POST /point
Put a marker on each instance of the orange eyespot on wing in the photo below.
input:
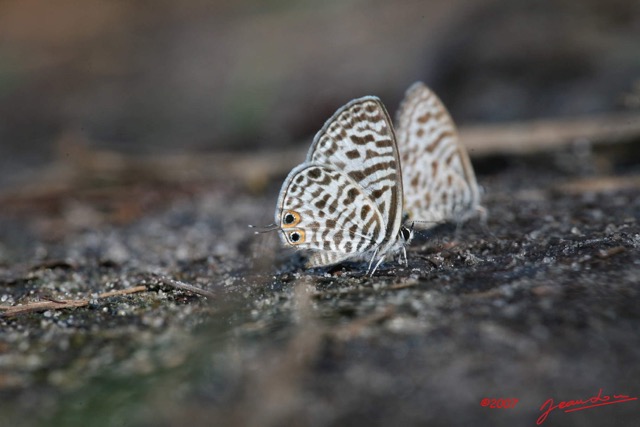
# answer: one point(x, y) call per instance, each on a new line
point(296, 237)
point(290, 219)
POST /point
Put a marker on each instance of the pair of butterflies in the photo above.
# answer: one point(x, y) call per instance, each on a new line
point(363, 186)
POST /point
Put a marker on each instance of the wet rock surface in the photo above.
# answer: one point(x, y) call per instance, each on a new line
point(542, 302)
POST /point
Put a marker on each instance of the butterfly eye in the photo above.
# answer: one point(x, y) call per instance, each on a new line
point(406, 234)
point(290, 219)
point(296, 237)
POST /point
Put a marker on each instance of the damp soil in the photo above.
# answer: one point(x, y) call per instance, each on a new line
point(542, 301)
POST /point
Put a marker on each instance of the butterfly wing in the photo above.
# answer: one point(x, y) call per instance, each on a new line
point(321, 208)
point(359, 140)
point(439, 181)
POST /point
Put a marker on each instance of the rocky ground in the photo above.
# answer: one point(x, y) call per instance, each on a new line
point(133, 293)
point(98, 329)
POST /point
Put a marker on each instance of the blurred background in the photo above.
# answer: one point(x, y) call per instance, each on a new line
point(138, 138)
point(165, 77)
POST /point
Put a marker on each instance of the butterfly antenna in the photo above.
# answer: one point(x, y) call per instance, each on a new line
point(355, 233)
point(264, 229)
point(422, 231)
point(432, 223)
point(351, 233)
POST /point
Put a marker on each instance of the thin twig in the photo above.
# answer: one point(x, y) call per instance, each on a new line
point(37, 306)
point(133, 290)
point(183, 286)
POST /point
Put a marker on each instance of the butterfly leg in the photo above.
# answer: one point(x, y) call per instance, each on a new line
point(484, 213)
point(377, 265)
point(458, 232)
point(404, 255)
point(373, 257)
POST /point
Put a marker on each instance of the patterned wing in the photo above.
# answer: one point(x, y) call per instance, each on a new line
point(439, 181)
point(359, 141)
point(321, 208)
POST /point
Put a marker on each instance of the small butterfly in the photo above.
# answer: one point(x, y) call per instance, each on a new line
point(439, 182)
point(345, 201)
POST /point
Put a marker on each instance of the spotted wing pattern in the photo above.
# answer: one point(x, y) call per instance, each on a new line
point(322, 209)
point(360, 141)
point(345, 200)
point(439, 181)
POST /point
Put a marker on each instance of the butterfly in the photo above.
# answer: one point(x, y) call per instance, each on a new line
point(439, 182)
point(346, 200)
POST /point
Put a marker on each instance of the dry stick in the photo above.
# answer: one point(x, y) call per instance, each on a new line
point(515, 138)
point(183, 286)
point(8, 311)
point(33, 307)
point(600, 184)
point(507, 138)
point(549, 134)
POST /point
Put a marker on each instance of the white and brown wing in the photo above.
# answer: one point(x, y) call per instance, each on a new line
point(439, 182)
point(359, 140)
point(321, 209)
point(345, 200)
